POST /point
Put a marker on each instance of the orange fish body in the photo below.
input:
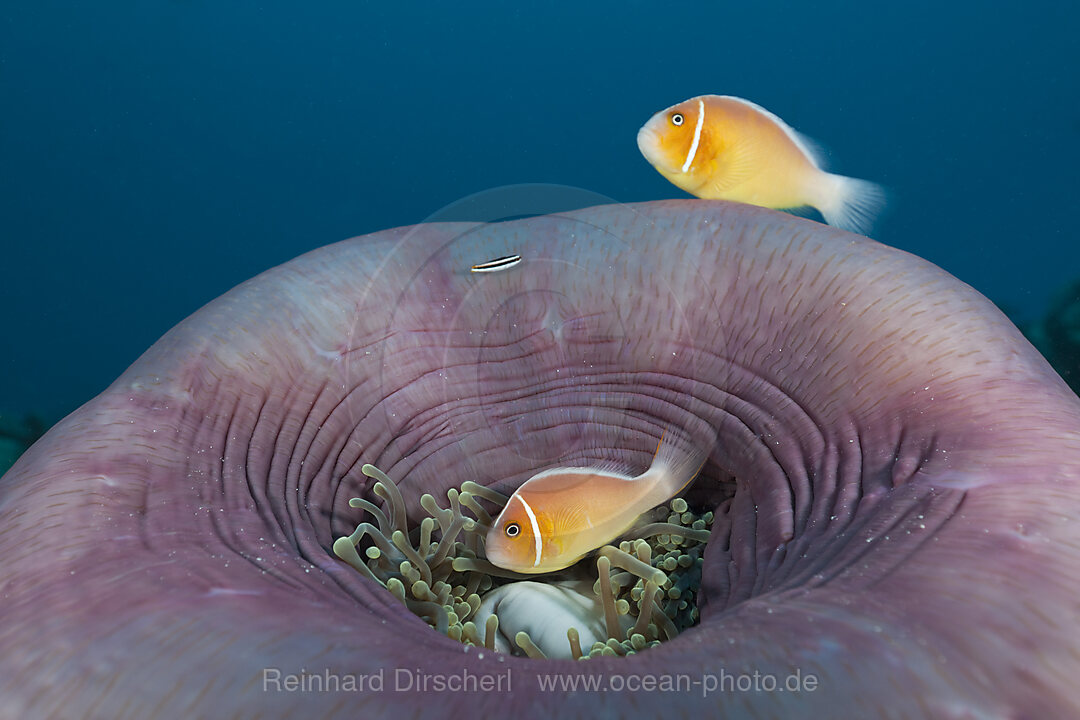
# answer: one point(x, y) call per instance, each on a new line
point(558, 516)
point(725, 148)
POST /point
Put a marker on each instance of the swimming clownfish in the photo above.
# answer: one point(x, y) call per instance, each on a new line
point(558, 516)
point(720, 147)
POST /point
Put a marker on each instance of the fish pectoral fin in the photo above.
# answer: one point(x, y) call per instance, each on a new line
point(736, 164)
point(571, 519)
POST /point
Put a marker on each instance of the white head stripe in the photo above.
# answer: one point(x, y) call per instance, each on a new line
point(697, 136)
point(535, 529)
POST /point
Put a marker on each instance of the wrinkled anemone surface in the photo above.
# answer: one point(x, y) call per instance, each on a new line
point(451, 585)
point(894, 481)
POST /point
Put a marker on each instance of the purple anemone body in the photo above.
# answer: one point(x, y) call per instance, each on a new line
point(896, 479)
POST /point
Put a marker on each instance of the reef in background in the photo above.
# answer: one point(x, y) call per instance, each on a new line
point(1057, 333)
point(17, 435)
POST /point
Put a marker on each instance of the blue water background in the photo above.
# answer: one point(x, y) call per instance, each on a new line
point(155, 154)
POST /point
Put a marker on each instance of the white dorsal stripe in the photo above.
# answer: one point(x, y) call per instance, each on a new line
point(535, 529)
point(697, 136)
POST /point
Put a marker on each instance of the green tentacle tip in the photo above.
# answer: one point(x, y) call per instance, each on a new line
point(344, 549)
point(397, 588)
point(525, 643)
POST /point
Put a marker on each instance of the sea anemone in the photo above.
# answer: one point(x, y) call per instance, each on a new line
point(894, 485)
point(449, 584)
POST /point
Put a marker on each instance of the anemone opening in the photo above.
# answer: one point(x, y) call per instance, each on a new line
point(437, 569)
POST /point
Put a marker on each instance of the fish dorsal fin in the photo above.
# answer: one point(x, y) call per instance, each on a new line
point(558, 480)
point(614, 467)
point(811, 149)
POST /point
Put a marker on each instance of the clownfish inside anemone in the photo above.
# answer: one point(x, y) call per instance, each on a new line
point(560, 515)
point(720, 147)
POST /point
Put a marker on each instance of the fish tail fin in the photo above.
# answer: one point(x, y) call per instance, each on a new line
point(679, 458)
point(849, 203)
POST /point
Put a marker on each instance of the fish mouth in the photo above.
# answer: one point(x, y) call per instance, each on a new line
point(648, 142)
point(893, 482)
point(503, 559)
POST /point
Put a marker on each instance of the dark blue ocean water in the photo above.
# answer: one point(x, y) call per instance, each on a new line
point(154, 154)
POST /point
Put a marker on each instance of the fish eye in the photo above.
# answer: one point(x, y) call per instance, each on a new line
point(677, 119)
point(512, 529)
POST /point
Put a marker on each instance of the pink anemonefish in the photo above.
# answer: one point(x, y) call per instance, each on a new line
point(558, 516)
point(720, 147)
